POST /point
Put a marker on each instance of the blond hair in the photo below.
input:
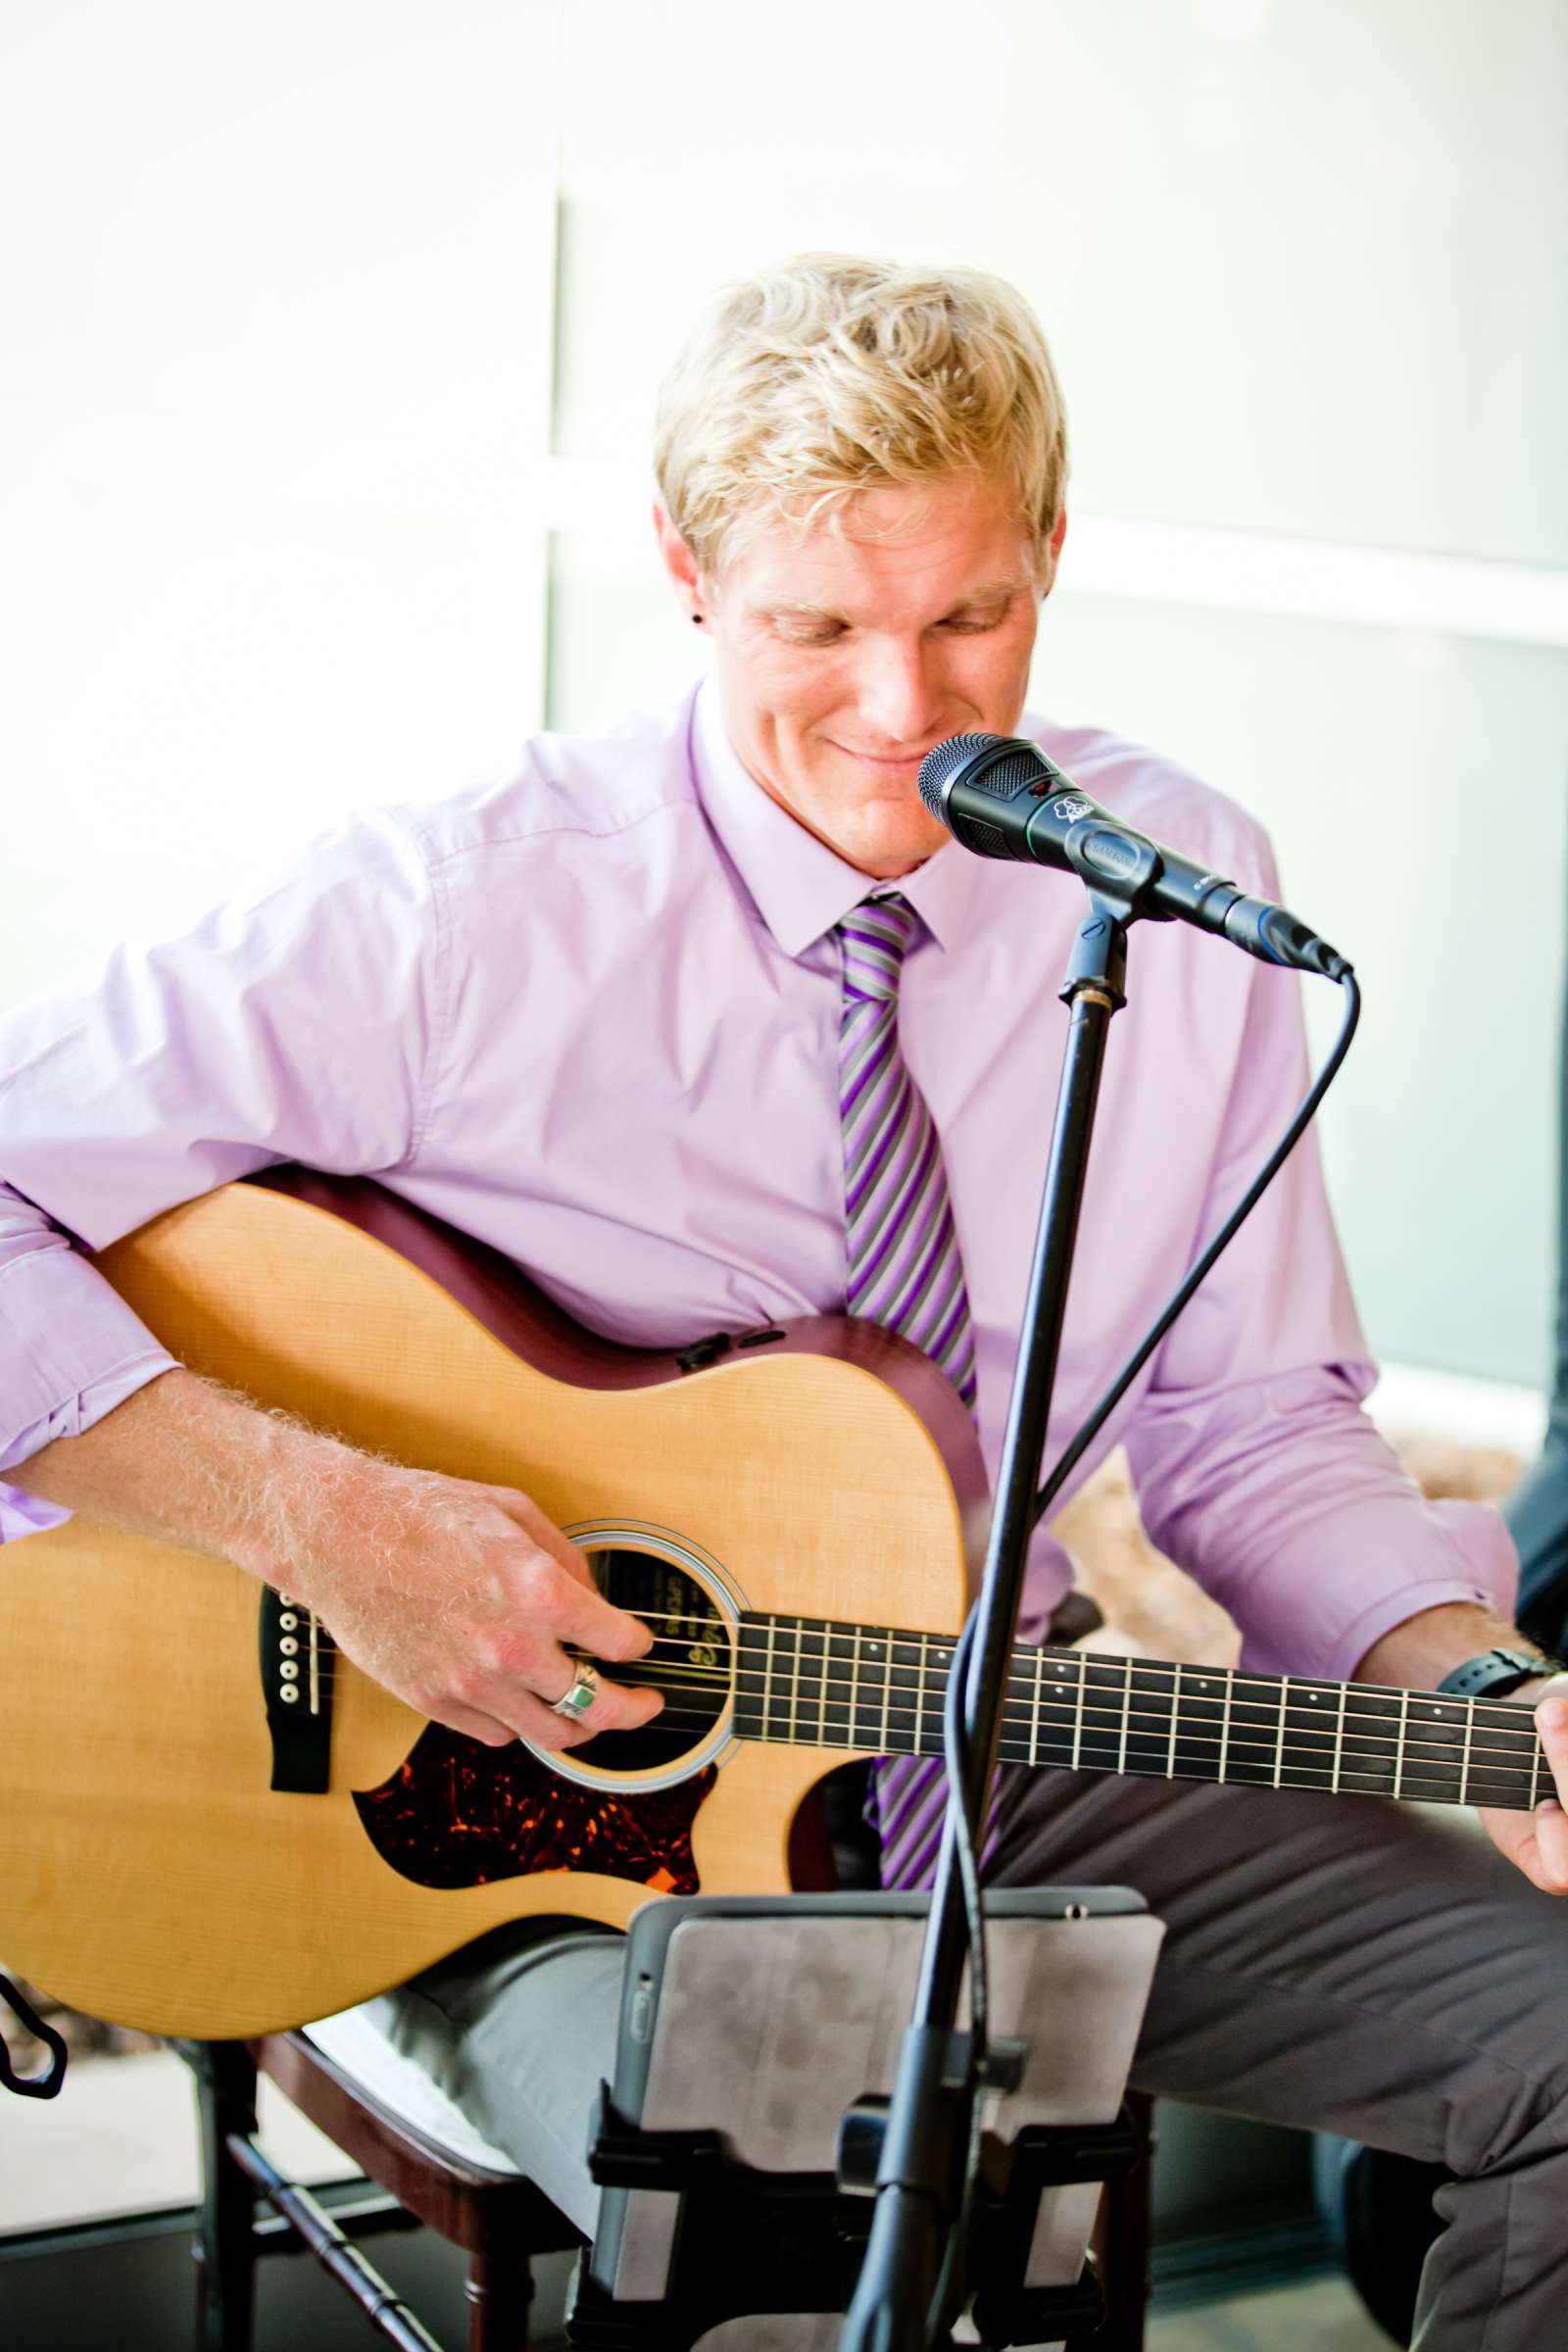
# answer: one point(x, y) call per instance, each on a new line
point(833, 373)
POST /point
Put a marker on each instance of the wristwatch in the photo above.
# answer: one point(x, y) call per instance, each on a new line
point(1496, 1672)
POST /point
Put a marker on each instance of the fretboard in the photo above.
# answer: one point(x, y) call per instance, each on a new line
point(811, 1682)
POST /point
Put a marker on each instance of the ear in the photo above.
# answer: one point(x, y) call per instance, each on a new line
point(1058, 534)
point(678, 560)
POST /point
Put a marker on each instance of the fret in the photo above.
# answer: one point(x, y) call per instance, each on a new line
point(1078, 1709)
point(887, 1694)
point(1225, 1730)
point(1034, 1715)
point(919, 1700)
point(905, 1689)
point(1398, 1754)
point(1469, 1706)
point(1371, 1727)
point(1102, 1720)
point(1201, 1716)
point(1175, 1718)
point(751, 1718)
point(815, 1678)
point(1435, 1729)
point(795, 1684)
point(1535, 1769)
point(1064, 1663)
point(838, 1686)
point(1338, 1745)
point(1279, 1735)
point(768, 1679)
point(1151, 1711)
point(854, 1690)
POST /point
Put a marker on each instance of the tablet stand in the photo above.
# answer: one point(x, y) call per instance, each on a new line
point(769, 2214)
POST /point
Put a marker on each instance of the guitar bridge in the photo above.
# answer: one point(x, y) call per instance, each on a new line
point(296, 1662)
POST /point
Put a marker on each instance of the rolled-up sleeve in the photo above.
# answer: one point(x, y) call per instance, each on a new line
point(1256, 1468)
point(295, 1024)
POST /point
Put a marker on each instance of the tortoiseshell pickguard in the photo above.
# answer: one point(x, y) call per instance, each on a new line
point(458, 1814)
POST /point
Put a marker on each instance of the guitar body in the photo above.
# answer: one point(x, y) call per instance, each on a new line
point(151, 1874)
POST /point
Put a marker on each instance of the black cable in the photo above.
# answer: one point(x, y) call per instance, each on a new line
point(955, 1756)
point(1227, 1233)
point(956, 1759)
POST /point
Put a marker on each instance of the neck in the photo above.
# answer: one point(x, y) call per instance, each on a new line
point(813, 1682)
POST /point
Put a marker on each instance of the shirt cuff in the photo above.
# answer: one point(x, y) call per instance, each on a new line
point(1453, 1551)
point(71, 1349)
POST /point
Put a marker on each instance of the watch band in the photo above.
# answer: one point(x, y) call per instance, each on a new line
point(1496, 1672)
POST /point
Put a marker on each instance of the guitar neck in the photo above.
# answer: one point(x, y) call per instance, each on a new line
point(807, 1681)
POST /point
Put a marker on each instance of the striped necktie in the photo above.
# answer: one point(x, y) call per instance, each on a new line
point(905, 1271)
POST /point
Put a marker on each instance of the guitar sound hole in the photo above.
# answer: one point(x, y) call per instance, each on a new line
point(690, 1660)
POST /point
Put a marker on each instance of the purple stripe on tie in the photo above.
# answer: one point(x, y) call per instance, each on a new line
point(904, 1785)
point(872, 963)
point(935, 1245)
point(946, 1337)
point(911, 1862)
point(885, 1158)
point(907, 1284)
point(859, 1041)
point(887, 1237)
point(902, 1210)
point(884, 1056)
point(859, 1131)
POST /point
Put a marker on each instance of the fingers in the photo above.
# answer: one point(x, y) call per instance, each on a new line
point(1537, 1842)
point(578, 1612)
point(1549, 1820)
point(525, 1715)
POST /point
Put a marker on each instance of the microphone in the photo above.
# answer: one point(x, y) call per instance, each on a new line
point(1001, 797)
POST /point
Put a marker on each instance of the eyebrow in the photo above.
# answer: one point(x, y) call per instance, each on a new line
point(989, 592)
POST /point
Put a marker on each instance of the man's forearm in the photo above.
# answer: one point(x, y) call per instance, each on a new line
point(459, 1598)
point(193, 1464)
point(1417, 1655)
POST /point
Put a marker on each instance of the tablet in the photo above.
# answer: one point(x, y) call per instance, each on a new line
point(764, 2016)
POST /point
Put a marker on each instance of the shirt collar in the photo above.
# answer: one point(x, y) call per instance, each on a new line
point(800, 887)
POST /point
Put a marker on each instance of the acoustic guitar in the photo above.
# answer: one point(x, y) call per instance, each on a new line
point(212, 1823)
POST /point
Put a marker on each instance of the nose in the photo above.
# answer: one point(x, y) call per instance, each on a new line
point(898, 696)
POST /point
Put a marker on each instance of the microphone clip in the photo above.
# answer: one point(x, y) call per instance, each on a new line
point(1097, 964)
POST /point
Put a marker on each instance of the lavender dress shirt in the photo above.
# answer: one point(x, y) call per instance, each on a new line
point(592, 1017)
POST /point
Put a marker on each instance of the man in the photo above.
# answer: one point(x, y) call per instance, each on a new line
point(705, 1023)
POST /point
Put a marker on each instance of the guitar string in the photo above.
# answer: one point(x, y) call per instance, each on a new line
point(1304, 1749)
point(1026, 1705)
point(1518, 1742)
point(1023, 1670)
point(1439, 1777)
point(1023, 1667)
point(1356, 1776)
point(1239, 1681)
point(1510, 1799)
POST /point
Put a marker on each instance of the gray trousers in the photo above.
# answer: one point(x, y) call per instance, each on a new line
point(1343, 1963)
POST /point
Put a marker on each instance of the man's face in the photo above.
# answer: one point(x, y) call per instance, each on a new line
point(846, 655)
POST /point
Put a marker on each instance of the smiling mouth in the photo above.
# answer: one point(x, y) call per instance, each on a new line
point(884, 759)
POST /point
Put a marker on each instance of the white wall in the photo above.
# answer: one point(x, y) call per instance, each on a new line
point(276, 411)
point(274, 345)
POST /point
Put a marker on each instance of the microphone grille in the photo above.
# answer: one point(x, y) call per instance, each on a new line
point(1007, 778)
point(939, 764)
point(989, 841)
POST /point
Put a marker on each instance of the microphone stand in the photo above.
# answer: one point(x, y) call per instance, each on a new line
point(926, 2138)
